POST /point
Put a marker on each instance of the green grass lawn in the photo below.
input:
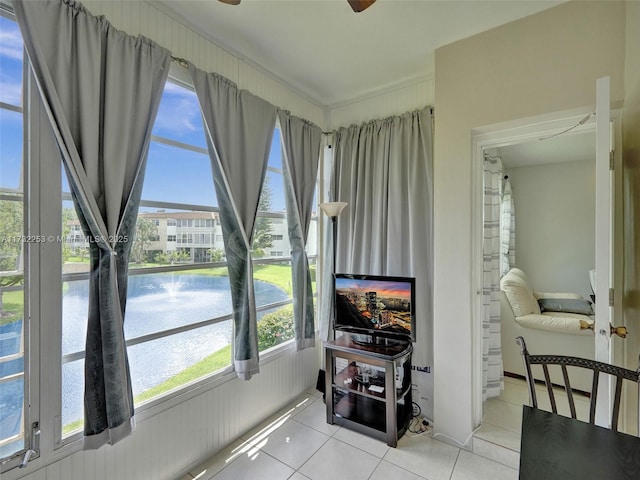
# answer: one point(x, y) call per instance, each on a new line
point(12, 306)
point(279, 275)
point(214, 362)
point(77, 259)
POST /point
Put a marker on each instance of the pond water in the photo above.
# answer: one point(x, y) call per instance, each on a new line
point(155, 302)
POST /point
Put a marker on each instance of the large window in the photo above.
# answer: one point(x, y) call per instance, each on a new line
point(178, 322)
point(13, 349)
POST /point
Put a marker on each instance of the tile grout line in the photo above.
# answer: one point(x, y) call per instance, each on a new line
point(454, 464)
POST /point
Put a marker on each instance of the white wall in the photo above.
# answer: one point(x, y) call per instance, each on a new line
point(631, 193)
point(555, 224)
point(384, 104)
point(548, 62)
point(138, 17)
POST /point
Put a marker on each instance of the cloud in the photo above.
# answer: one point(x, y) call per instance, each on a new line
point(11, 55)
point(177, 118)
point(11, 42)
point(179, 112)
point(175, 89)
point(11, 91)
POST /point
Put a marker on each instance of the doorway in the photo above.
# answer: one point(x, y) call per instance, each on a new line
point(514, 136)
point(522, 137)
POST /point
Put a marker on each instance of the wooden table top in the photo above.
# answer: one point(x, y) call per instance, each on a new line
point(557, 447)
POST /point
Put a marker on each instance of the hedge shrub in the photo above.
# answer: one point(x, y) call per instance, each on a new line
point(275, 328)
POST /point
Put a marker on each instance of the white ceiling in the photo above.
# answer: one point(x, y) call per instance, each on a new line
point(330, 54)
point(569, 147)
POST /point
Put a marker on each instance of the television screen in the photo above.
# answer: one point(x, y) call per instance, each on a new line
point(375, 305)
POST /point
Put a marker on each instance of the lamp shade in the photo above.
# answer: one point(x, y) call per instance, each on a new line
point(333, 209)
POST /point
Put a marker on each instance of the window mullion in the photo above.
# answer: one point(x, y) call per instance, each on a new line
point(45, 263)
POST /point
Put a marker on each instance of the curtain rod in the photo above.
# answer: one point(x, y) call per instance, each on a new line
point(180, 61)
point(185, 63)
point(375, 120)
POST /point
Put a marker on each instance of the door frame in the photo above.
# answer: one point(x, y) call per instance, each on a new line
point(498, 135)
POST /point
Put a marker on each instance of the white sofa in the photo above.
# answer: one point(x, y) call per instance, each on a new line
point(558, 333)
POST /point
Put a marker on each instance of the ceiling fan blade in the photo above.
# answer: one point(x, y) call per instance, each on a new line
point(356, 5)
point(360, 5)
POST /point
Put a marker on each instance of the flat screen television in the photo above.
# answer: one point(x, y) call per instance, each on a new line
point(379, 308)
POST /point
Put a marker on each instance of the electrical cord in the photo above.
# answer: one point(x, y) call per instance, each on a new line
point(416, 410)
point(417, 424)
point(449, 439)
point(581, 122)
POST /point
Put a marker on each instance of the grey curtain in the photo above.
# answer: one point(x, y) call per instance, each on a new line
point(239, 129)
point(491, 344)
point(101, 89)
point(301, 154)
point(384, 170)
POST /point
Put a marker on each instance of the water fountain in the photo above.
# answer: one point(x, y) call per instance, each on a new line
point(156, 302)
point(172, 287)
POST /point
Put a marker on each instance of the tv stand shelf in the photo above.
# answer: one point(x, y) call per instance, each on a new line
point(369, 387)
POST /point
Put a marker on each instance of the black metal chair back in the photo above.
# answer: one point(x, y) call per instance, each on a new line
point(621, 374)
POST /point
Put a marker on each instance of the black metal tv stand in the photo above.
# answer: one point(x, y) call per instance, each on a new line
point(369, 387)
point(376, 340)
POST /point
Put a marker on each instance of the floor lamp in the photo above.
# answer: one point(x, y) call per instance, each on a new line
point(331, 210)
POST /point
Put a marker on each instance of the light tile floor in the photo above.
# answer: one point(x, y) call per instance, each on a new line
point(502, 420)
point(298, 444)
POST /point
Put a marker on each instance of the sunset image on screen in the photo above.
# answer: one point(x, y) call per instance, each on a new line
point(377, 304)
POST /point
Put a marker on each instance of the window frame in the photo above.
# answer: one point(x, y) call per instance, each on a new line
point(43, 321)
point(179, 75)
point(31, 331)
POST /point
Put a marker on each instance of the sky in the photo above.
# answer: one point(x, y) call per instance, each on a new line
point(179, 119)
point(172, 174)
point(10, 92)
point(384, 288)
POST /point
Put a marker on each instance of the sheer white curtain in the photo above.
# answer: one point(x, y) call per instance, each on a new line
point(492, 372)
point(507, 228)
point(239, 129)
point(384, 170)
point(101, 89)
